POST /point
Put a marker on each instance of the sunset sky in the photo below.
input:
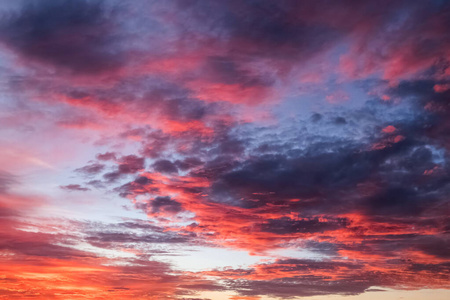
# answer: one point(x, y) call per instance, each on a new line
point(225, 149)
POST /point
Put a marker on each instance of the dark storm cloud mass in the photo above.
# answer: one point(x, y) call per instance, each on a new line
point(391, 182)
point(328, 172)
point(75, 35)
point(435, 245)
point(306, 175)
point(436, 104)
point(262, 28)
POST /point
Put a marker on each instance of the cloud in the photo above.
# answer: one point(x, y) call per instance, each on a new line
point(165, 166)
point(91, 169)
point(129, 164)
point(74, 187)
point(6, 180)
point(286, 225)
point(163, 205)
point(72, 35)
point(106, 156)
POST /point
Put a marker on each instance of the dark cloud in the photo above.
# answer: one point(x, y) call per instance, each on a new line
point(116, 239)
point(142, 180)
point(314, 225)
point(328, 174)
point(96, 183)
point(262, 28)
point(106, 156)
point(165, 166)
point(442, 269)
point(40, 245)
point(325, 248)
point(160, 205)
point(165, 204)
point(340, 121)
point(304, 278)
point(184, 109)
point(91, 169)
point(229, 70)
point(310, 286)
point(395, 200)
point(155, 144)
point(438, 246)
point(6, 180)
point(112, 176)
point(392, 245)
point(74, 35)
point(140, 185)
point(129, 164)
point(279, 178)
point(434, 105)
point(316, 117)
point(188, 163)
point(138, 224)
point(74, 187)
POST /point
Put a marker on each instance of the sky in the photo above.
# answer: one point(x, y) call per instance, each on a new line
point(224, 149)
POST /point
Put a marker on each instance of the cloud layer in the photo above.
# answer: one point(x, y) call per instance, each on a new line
point(312, 135)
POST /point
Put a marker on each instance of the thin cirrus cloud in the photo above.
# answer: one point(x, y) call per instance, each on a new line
point(307, 141)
